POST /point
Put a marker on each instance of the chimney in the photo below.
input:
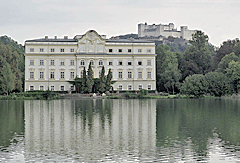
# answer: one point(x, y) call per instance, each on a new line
point(65, 37)
point(46, 37)
point(55, 37)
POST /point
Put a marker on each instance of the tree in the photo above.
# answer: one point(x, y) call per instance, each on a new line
point(198, 56)
point(195, 85)
point(102, 84)
point(218, 84)
point(108, 80)
point(90, 81)
point(233, 73)
point(6, 78)
point(223, 65)
point(227, 47)
point(84, 81)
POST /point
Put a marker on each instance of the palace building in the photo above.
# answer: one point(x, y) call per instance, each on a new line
point(52, 62)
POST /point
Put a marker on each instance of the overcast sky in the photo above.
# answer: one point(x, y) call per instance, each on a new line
point(30, 19)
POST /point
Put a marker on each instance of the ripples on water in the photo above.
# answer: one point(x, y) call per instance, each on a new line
point(119, 131)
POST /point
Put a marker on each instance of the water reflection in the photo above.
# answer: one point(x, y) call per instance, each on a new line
point(179, 130)
point(90, 130)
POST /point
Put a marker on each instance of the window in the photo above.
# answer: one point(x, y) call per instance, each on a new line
point(149, 50)
point(100, 71)
point(41, 88)
point(41, 62)
point(82, 63)
point(120, 62)
point(52, 49)
point(91, 62)
point(129, 50)
point(110, 63)
point(129, 74)
point(139, 50)
point(31, 75)
point(148, 62)
point(129, 63)
point(71, 62)
point(139, 87)
point(120, 87)
point(52, 87)
point(72, 88)
point(31, 49)
point(52, 62)
point(72, 75)
point(129, 87)
point(31, 62)
point(139, 62)
point(149, 87)
point(41, 75)
point(81, 74)
point(41, 50)
point(61, 50)
point(100, 63)
point(62, 62)
point(62, 75)
point(52, 75)
point(120, 75)
point(62, 88)
point(139, 74)
point(149, 74)
point(110, 50)
point(31, 88)
point(71, 50)
point(120, 50)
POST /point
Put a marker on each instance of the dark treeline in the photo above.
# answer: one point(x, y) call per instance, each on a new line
point(200, 69)
point(11, 65)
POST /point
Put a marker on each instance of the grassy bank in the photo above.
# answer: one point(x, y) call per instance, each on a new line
point(35, 95)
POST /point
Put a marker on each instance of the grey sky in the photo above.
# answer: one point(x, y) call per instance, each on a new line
point(29, 19)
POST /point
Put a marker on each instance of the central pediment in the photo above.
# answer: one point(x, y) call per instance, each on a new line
point(91, 42)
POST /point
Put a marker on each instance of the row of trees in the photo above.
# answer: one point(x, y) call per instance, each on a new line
point(11, 65)
point(88, 84)
point(200, 69)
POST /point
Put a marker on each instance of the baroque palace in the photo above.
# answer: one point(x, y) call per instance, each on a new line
point(51, 63)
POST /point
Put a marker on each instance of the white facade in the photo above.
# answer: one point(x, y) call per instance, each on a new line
point(50, 63)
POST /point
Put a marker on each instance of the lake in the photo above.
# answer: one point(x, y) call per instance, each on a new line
point(120, 130)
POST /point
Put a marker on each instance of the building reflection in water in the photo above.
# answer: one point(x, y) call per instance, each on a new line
point(88, 130)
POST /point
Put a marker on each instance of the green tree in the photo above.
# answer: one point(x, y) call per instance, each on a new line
point(6, 79)
point(84, 82)
point(102, 84)
point(218, 84)
point(198, 56)
point(195, 85)
point(168, 74)
point(108, 80)
point(233, 73)
point(90, 81)
point(223, 65)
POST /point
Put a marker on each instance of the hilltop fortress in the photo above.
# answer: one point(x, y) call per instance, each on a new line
point(163, 30)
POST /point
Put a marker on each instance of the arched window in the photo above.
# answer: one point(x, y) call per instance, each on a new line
point(91, 62)
point(149, 87)
point(82, 63)
point(129, 87)
point(100, 71)
point(140, 87)
point(100, 62)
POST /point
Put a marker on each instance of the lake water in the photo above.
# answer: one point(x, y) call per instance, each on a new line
point(119, 130)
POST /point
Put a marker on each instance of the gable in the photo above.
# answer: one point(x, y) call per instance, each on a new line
point(91, 42)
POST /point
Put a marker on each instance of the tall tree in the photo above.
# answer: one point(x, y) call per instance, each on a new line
point(198, 56)
point(102, 84)
point(84, 81)
point(90, 81)
point(6, 79)
point(108, 80)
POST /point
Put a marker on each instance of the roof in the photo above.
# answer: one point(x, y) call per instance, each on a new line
point(129, 41)
point(51, 40)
